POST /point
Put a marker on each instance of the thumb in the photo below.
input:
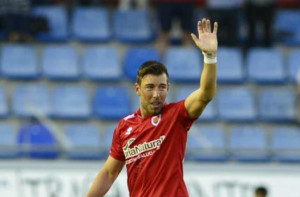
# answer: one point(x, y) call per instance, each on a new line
point(194, 37)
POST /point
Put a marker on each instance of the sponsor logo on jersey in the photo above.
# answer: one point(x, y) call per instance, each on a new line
point(155, 120)
point(141, 148)
point(129, 130)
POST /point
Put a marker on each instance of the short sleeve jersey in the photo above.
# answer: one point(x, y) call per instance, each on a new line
point(153, 149)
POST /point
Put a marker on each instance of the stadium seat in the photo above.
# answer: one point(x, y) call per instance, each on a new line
point(91, 24)
point(71, 102)
point(19, 61)
point(236, 104)
point(135, 57)
point(265, 66)
point(133, 26)
point(31, 100)
point(60, 62)
point(184, 64)
point(285, 144)
point(294, 65)
point(3, 103)
point(58, 23)
point(209, 113)
point(230, 65)
point(287, 29)
point(8, 141)
point(85, 141)
point(249, 143)
point(107, 134)
point(206, 143)
point(277, 104)
point(112, 102)
point(102, 63)
point(37, 141)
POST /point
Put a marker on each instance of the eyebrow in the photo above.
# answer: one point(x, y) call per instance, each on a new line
point(151, 84)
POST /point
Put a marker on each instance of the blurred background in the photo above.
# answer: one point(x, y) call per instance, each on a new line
point(68, 69)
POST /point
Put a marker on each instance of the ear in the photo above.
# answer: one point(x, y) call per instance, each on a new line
point(137, 89)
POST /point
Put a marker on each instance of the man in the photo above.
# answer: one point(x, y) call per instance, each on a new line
point(151, 142)
point(261, 192)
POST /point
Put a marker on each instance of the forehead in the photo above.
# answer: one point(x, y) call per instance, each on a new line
point(154, 79)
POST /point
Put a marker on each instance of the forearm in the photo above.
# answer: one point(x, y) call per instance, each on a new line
point(101, 184)
point(208, 82)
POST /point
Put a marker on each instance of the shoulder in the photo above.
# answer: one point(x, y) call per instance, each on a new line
point(125, 121)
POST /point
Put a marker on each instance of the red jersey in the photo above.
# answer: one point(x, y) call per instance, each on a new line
point(153, 149)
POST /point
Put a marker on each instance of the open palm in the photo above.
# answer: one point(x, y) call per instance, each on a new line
point(207, 40)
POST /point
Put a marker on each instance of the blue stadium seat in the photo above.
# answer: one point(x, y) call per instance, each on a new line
point(3, 103)
point(37, 141)
point(8, 141)
point(112, 102)
point(133, 26)
point(135, 57)
point(58, 23)
point(277, 104)
point(85, 141)
point(287, 29)
point(206, 143)
point(184, 64)
point(31, 100)
point(102, 63)
point(236, 104)
point(294, 65)
point(209, 113)
point(286, 144)
point(107, 134)
point(91, 24)
point(19, 61)
point(230, 66)
point(265, 66)
point(249, 143)
point(71, 102)
point(60, 62)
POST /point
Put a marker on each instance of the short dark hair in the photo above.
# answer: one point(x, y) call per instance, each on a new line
point(153, 68)
point(261, 190)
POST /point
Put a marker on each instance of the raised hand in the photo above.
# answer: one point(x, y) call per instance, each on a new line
point(207, 41)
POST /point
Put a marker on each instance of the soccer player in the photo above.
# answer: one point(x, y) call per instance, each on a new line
point(261, 192)
point(151, 142)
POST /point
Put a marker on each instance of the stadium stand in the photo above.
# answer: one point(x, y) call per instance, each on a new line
point(71, 102)
point(102, 63)
point(37, 141)
point(8, 141)
point(294, 65)
point(277, 104)
point(60, 62)
point(184, 64)
point(236, 104)
point(85, 141)
point(133, 26)
point(285, 144)
point(248, 143)
point(31, 101)
point(3, 103)
point(265, 66)
point(112, 102)
point(58, 23)
point(135, 56)
point(19, 61)
point(207, 143)
point(91, 24)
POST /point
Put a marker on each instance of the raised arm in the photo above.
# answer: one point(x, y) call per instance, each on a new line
point(105, 177)
point(207, 42)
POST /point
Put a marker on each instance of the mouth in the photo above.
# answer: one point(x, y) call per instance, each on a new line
point(156, 104)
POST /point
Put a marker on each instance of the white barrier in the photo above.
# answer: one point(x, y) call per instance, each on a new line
point(72, 179)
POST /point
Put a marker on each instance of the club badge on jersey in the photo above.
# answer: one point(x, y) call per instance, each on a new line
point(155, 120)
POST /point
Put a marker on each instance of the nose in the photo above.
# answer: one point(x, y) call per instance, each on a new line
point(156, 93)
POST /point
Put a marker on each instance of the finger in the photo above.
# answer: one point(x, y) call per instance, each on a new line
point(208, 26)
point(200, 31)
point(204, 25)
point(194, 37)
point(215, 28)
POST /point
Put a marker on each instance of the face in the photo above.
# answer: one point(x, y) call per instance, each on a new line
point(152, 91)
